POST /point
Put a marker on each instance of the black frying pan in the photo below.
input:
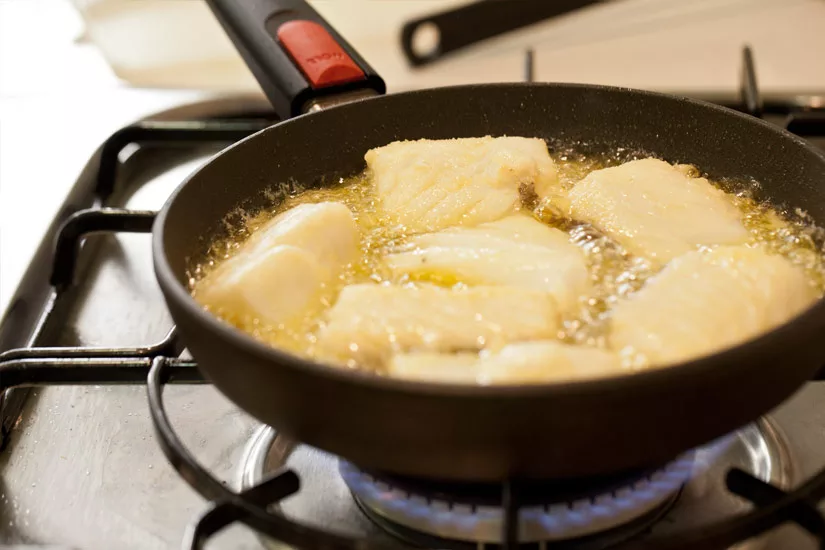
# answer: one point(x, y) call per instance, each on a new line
point(467, 432)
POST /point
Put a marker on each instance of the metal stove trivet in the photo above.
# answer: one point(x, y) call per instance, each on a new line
point(40, 305)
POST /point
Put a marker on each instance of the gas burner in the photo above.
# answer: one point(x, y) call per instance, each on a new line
point(582, 515)
point(552, 511)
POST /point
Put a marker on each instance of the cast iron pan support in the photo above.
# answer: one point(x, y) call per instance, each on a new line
point(39, 308)
point(748, 87)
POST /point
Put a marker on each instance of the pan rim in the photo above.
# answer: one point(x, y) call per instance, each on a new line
point(175, 290)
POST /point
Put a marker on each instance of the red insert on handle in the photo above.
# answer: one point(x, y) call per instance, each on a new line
point(317, 54)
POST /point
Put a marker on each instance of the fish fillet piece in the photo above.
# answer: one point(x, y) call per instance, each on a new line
point(327, 230)
point(539, 361)
point(706, 301)
point(427, 185)
point(283, 269)
point(656, 210)
point(277, 286)
point(516, 251)
point(369, 322)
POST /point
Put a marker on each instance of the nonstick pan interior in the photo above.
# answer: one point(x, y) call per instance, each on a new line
point(489, 433)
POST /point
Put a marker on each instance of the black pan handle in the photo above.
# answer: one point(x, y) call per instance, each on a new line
point(466, 25)
point(293, 53)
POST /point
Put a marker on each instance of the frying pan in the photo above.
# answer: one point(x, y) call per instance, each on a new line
point(464, 432)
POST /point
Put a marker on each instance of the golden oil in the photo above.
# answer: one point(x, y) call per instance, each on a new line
point(614, 272)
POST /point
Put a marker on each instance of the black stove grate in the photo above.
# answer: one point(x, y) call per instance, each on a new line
point(39, 303)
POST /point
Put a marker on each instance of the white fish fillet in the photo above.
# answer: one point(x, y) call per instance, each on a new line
point(656, 210)
point(276, 286)
point(703, 302)
point(427, 185)
point(282, 270)
point(539, 361)
point(368, 322)
point(516, 251)
point(327, 230)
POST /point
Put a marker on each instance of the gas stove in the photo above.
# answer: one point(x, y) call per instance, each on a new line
point(112, 441)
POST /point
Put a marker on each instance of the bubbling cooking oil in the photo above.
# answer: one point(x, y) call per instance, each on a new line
point(614, 272)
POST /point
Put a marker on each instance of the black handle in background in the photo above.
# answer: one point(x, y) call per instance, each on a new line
point(481, 20)
point(254, 25)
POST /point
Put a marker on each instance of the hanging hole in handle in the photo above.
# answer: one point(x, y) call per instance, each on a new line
point(426, 40)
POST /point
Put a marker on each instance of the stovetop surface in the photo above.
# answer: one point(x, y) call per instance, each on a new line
point(83, 469)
